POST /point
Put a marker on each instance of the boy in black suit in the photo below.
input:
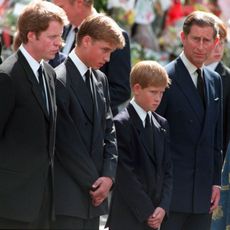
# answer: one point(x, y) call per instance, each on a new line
point(143, 186)
point(86, 155)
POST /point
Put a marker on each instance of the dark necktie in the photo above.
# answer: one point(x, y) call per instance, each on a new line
point(148, 133)
point(41, 85)
point(88, 79)
point(200, 85)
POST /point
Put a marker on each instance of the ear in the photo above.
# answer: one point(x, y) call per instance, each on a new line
point(31, 36)
point(136, 89)
point(86, 41)
point(182, 36)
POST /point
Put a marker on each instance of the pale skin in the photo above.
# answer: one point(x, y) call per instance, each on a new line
point(149, 99)
point(198, 45)
point(47, 44)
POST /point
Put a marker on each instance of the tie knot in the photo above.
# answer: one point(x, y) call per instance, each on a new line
point(88, 74)
point(147, 121)
point(75, 29)
point(199, 72)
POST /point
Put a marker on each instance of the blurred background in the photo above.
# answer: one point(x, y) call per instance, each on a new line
point(153, 25)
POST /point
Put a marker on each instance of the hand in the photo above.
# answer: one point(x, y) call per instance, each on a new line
point(155, 220)
point(215, 198)
point(100, 190)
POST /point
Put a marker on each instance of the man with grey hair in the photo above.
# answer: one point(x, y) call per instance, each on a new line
point(193, 107)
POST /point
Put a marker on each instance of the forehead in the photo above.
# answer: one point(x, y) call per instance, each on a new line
point(155, 88)
point(103, 44)
point(202, 31)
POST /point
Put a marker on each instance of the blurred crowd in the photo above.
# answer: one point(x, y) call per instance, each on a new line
point(153, 25)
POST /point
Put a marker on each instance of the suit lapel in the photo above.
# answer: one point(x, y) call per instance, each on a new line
point(34, 83)
point(158, 139)
point(210, 97)
point(78, 87)
point(187, 87)
point(50, 94)
point(137, 123)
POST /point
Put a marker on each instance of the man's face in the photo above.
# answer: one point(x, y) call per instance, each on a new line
point(48, 43)
point(217, 53)
point(71, 9)
point(198, 44)
point(148, 98)
point(95, 53)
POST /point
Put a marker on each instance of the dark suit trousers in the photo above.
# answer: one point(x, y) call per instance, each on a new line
point(41, 222)
point(187, 221)
point(74, 223)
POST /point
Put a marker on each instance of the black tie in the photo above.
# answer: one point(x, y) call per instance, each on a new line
point(200, 85)
point(148, 132)
point(41, 85)
point(88, 79)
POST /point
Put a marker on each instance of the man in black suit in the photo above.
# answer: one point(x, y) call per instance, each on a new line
point(27, 121)
point(214, 62)
point(117, 69)
point(193, 107)
point(86, 155)
point(142, 192)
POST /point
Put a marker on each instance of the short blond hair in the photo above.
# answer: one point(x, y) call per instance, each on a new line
point(149, 73)
point(101, 28)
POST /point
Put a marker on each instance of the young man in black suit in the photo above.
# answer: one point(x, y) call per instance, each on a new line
point(142, 192)
point(117, 69)
point(27, 120)
point(86, 156)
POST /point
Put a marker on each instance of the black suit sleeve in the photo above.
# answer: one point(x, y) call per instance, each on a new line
point(6, 101)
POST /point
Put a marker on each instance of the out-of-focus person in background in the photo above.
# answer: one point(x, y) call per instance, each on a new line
point(117, 69)
point(221, 216)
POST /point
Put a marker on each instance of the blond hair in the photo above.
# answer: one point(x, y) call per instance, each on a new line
point(149, 73)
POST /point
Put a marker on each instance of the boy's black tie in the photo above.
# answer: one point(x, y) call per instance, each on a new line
point(148, 132)
point(88, 79)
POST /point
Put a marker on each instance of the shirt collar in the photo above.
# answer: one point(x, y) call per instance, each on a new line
point(189, 66)
point(31, 61)
point(212, 66)
point(140, 111)
point(78, 63)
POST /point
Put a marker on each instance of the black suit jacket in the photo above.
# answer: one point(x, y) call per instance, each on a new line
point(86, 145)
point(144, 178)
point(117, 70)
point(224, 73)
point(26, 138)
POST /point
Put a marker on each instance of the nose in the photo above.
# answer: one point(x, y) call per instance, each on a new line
point(107, 57)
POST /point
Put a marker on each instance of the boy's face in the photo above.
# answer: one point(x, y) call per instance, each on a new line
point(95, 53)
point(148, 98)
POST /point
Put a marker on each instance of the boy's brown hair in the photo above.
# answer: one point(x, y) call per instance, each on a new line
point(149, 73)
point(101, 28)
